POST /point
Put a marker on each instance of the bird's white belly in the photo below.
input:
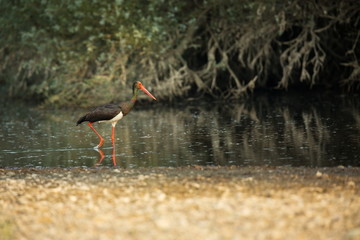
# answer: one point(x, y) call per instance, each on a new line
point(114, 119)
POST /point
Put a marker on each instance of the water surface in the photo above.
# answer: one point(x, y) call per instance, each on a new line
point(292, 130)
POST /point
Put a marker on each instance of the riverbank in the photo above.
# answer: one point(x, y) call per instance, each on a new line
point(180, 203)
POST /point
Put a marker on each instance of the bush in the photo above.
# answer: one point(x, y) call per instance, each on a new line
point(84, 52)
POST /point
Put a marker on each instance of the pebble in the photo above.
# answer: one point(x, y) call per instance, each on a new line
point(351, 184)
point(10, 174)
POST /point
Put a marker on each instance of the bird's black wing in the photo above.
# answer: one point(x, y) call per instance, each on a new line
point(101, 113)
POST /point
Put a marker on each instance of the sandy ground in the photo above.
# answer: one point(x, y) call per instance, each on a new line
point(181, 203)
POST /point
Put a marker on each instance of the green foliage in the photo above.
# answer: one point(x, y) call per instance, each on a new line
point(73, 52)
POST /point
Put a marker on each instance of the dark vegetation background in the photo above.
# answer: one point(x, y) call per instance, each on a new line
point(85, 52)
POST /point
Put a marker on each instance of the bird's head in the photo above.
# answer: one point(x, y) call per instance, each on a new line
point(139, 85)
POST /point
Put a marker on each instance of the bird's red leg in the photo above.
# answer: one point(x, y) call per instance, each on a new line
point(113, 136)
point(101, 138)
point(113, 143)
point(113, 156)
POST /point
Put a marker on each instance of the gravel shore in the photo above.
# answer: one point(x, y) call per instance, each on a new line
point(180, 203)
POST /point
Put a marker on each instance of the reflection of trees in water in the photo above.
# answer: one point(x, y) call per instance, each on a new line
point(264, 132)
point(268, 130)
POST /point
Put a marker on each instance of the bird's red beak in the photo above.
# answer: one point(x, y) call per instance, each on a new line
point(146, 91)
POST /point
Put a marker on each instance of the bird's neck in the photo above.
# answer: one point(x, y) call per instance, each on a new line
point(127, 106)
point(134, 97)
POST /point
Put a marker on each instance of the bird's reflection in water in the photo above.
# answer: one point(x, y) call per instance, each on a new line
point(102, 156)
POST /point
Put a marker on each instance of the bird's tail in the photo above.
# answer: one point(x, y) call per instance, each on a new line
point(82, 119)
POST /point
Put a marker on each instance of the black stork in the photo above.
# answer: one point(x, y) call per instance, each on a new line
point(112, 112)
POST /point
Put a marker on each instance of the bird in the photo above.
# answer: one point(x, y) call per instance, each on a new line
point(112, 113)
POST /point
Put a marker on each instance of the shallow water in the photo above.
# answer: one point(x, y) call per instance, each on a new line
point(291, 130)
